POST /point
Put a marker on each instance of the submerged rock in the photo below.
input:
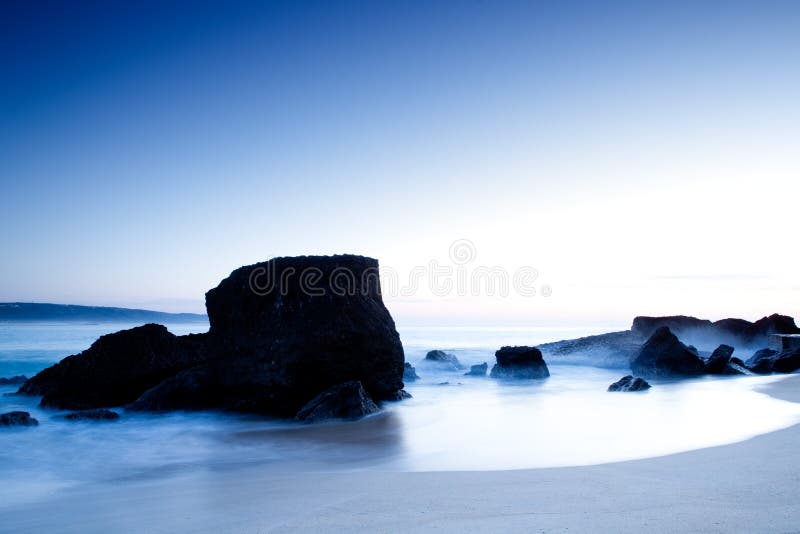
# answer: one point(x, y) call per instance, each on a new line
point(444, 359)
point(629, 383)
point(409, 373)
point(17, 419)
point(647, 326)
point(348, 401)
point(92, 415)
point(478, 370)
point(614, 349)
point(520, 362)
point(115, 370)
point(663, 355)
point(276, 342)
point(13, 381)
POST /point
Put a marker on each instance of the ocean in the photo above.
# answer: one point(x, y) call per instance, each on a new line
point(453, 422)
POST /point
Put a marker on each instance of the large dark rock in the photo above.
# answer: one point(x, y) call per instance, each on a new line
point(348, 401)
point(17, 419)
point(92, 415)
point(769, 361)
point(663, 355)
point(13, 381)
point(116, 369)
point(409, 373)
point(787, 361)
point(444, 359)
point(478, 370)
point(286, 329)
point(761, 361)
point(629, 383)
point(718, 361)
point(519, 362)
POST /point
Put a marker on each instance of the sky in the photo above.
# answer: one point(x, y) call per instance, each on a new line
point(642, 159)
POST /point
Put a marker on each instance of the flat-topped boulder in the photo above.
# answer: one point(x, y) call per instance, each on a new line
point(663, 355)
point(520, 363)
point(286, 329)
point(115, 370)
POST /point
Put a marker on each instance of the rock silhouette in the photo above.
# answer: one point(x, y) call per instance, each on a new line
point(282, 332)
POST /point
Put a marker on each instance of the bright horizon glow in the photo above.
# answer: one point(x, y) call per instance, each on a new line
point(642, 158)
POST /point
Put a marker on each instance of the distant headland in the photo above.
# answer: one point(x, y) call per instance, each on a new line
point(30, 311)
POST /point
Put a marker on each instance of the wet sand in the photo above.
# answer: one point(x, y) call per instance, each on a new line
point(749, 486)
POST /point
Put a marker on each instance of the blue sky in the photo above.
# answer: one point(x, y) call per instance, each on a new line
point(642, 158)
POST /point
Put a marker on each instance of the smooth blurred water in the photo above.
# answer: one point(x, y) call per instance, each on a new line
point(454, 422)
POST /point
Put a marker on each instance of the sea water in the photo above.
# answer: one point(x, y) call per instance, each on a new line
point(453, 421)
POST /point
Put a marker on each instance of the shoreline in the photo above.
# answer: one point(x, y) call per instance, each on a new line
point(744, 486)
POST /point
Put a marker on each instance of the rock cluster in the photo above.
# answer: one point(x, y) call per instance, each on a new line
point(282, 332)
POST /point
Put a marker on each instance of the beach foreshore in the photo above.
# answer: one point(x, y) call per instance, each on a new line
point(750, 486)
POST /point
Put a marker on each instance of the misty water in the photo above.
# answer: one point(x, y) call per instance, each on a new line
point(454, 422)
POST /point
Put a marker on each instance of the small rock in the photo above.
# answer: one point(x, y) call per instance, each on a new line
point(478, 370)
point(629, 383)
point(444, 358)
point(17, 419)
point(520, 362)
point(92, 415)
point(13, 381)
point(400, 395)
point(409, 373)
point(347, 401)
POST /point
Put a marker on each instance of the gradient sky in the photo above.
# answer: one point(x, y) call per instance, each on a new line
point(645, 159)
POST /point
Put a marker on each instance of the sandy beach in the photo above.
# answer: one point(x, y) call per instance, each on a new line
point(743, 487)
